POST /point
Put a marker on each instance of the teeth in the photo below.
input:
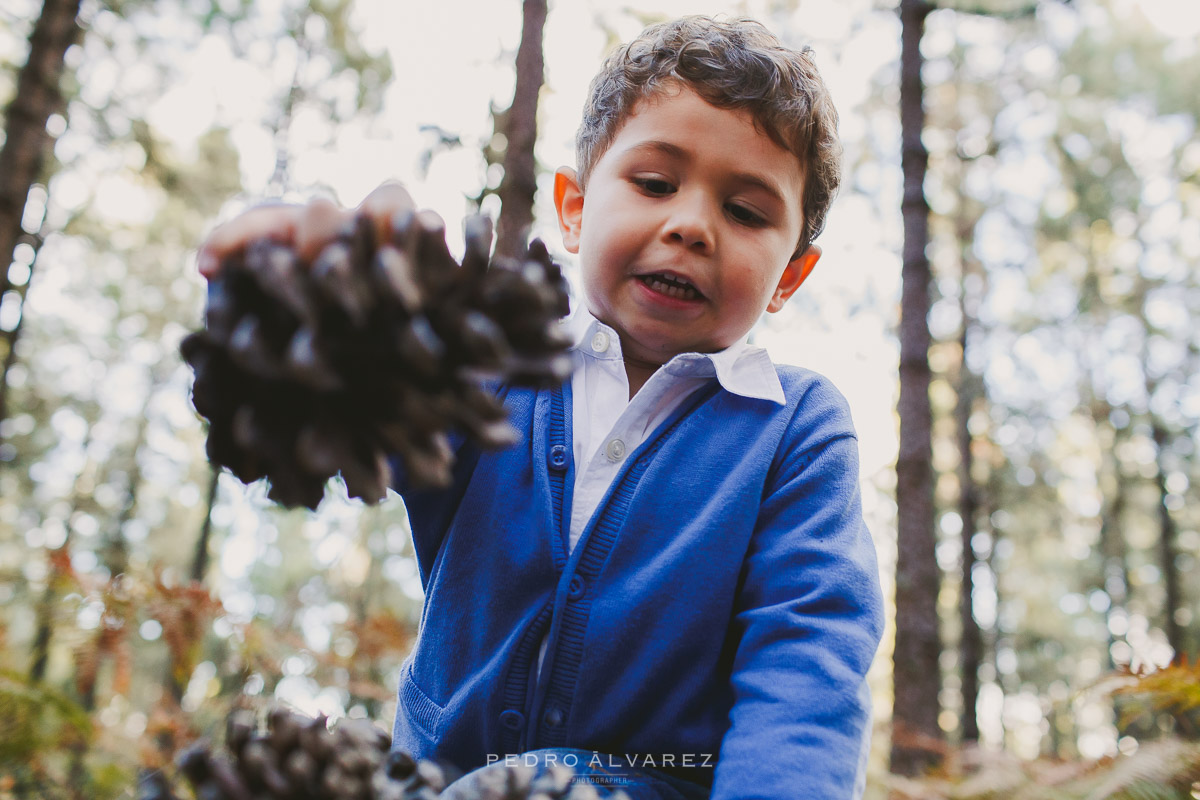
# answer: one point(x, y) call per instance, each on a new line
point(670, 288)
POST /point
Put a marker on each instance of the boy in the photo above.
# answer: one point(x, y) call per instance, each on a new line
point(667, 583)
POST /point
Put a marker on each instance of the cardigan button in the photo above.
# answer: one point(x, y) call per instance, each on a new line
point(557, 457)
point(513, 720)
point(553, 717)
point(576, 587)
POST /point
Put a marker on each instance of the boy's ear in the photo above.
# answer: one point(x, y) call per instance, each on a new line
point(794, 274)
point(568, 200)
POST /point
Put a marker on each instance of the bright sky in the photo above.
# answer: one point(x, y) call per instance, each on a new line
point(1178, 19)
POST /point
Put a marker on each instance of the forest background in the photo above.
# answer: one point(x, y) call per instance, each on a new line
point(1012, 327)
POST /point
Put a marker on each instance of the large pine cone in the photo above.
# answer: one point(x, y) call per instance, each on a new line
point(299, 758)
point(376, 348)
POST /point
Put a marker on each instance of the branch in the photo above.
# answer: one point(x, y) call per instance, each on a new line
point(1021, 12)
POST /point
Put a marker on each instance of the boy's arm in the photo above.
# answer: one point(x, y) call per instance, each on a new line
point(431, 510)
point(809, 618)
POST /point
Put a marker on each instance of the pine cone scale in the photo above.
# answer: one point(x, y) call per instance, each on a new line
point(307, 371)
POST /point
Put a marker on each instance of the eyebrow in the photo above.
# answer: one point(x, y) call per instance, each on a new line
point(675, 151)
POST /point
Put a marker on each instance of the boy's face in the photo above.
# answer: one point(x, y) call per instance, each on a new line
point(688, 227)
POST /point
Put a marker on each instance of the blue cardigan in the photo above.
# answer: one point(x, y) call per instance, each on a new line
point(717, 618)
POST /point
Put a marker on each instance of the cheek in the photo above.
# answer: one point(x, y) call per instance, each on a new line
point(604, 247)
point(751, 281)
point(762, 278)
point(591, 236)
point(595, 297)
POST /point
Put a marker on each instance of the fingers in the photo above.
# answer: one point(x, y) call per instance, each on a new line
point(275, 221)
point(318, 223)
point(308, 228)
point(383, 204)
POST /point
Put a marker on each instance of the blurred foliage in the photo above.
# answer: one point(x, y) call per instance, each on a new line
point(113, 658)
point(1173, 690)
point(1161, 770)
point(1061, 236)
point(1166, 768)
point(1065, 189)
point(37, 721)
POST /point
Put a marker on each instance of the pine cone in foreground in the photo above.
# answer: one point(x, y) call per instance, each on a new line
point(305, 371)
point(299, 758)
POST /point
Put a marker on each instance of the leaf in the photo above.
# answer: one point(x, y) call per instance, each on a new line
point(1173, 690)
point(36, 718)
point(1165, 768)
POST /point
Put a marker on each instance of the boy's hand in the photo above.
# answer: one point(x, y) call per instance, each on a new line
point(306, 228)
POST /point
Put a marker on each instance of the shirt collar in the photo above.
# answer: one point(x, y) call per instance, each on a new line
point(741, 368)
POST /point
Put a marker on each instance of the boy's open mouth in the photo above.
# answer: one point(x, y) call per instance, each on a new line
point(671, 286)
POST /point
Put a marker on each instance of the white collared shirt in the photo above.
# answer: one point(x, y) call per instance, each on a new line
point(608, 427)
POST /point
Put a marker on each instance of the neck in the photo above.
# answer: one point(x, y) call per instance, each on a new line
point(638, 372)
point(638, 363)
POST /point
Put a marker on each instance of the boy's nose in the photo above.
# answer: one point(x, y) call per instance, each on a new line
point(690, 224)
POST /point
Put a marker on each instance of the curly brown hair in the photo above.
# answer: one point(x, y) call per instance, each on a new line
point(735, 64)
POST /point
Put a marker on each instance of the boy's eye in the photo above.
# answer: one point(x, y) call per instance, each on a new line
point(654, 186)
point(745, 215)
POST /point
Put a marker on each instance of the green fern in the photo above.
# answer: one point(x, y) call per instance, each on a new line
point(1173, 690)
point(1145, 790)
point(34, 718)
point(1160, 770)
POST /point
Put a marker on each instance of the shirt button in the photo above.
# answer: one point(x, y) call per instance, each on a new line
point(558, 457)
point(615, 450)
point(575, 587)
point(512, 719)
point(600, 341)
point(553, 717)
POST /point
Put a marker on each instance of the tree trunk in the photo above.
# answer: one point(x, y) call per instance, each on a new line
point(1114, 577)
point(970, 646)
point(60, 560)
point(200, 557)
point(1114, 567)
point(114, 548)
point(26, 145)
point(58, 578)
point(969, 390)
point(519, 185)
point(916, 737)
point(989, 503)
point(9, 339)
point(1168, 549)
point(26, 142)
